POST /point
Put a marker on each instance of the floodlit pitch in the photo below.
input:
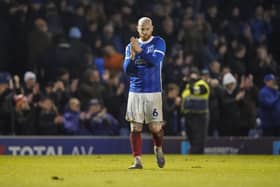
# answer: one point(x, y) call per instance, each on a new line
point(111, 170)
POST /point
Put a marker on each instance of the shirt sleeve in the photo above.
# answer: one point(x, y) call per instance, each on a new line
point(128, 65)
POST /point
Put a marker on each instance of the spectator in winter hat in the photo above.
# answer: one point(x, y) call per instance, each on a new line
point(75, 33)
point(29, 76)
point(229, 82)
point(31, 87)
point(269, 100)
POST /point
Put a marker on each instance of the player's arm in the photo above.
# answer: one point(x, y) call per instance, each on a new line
point(157, 55)
point(128, 65)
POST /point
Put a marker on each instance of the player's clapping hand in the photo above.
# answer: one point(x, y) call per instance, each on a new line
point(135, 45)
point(132, 54)
point(132, 51)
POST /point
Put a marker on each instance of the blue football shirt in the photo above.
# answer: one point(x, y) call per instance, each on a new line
point(145, 69)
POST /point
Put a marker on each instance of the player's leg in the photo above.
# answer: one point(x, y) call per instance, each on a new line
point(157, 135)
point(136, 144)
point(135, 115)
point(154, 117)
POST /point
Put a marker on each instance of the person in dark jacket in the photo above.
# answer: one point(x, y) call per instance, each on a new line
point(39, 40)
point(214, 102)
point(230, 98)
point(91, 87)
point(24, 112)
point(247, 106)
point(171, 103)
point(269, 101)
point(49, 121)
point(7, 115)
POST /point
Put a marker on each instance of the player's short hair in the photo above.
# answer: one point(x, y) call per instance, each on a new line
point(145, 20)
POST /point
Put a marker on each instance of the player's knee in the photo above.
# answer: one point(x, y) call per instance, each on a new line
point(155, 127)
point(136, 127)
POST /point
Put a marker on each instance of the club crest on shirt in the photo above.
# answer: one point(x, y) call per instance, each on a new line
point(150, 49)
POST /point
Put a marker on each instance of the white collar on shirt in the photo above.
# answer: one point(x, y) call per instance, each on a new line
point(145, 42)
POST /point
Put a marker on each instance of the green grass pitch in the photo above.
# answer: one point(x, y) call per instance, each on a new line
point(111, 170)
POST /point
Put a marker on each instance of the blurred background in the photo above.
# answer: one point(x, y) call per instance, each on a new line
point(61, 63)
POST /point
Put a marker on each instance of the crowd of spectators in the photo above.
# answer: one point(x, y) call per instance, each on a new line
point(61, 62)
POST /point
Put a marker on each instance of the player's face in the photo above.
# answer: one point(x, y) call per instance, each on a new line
point(145, 31)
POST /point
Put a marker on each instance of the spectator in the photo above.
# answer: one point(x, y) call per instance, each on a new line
point(115, 95)
point(78, 17)
point(172, 69)
point(36, 10)
point(71, 123)
point(59, 95)
point(260, 26)
point(214, 101)
point(5, 37)
point(93, 39)
point(215, 70)
point(68, 85)
point(237, 62)
point(248, 108)
point(39, 41)
point(62, 55)
point(31, 88)
point(212, 17)
point(80, 51)
point(172, 103)
point(113, 59)
point(109, 37)
point(195, 107)
point(168, 33)
point(101, 123)
point(63, 75)
point(230, 112)
point(208, 51)
point(24, 113)
point(264, 64)
point(234, 26)
point(269, 100)
point(53, 18)
point(18, 20)
point(29, 82)
point(90, 88)
point(49, 121)
point(7, 115)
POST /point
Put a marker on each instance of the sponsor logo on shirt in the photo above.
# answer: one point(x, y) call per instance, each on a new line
point(140, 62)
